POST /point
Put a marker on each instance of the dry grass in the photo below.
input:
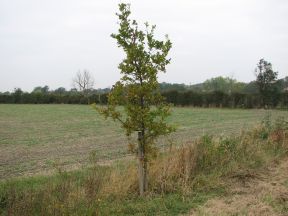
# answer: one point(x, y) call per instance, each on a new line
point(263, 194)
point(181, 168)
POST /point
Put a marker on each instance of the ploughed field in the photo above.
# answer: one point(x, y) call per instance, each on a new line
point(34, 139)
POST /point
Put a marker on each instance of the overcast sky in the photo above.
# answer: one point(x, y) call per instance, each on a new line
point(47, 42)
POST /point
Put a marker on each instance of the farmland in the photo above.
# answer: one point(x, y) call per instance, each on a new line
point(33, 138)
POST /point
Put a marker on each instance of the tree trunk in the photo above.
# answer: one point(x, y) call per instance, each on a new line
point(142, 166)
point(142, 169)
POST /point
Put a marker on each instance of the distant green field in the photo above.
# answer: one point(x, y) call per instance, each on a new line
point(34, 137)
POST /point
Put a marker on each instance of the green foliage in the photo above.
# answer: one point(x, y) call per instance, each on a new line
point(266, 79)
point(138, 90)
point(266, 122)
point(223, 84)
point(66, 193)
point(17, 95)
point(172, 87)
point(60, 91)
point(215, 92)
point(39, 89)
point(145, 110)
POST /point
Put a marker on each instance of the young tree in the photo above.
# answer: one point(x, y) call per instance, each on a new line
point(17, 94)
point(84, 82)
point(265, 78)
point(145, 110)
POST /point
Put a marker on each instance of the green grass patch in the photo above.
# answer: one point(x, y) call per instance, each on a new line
point(278, 204)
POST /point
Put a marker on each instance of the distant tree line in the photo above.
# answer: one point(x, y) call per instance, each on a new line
point(182, 97)
point(266, 91)
point(42, 95)
point(221, 99)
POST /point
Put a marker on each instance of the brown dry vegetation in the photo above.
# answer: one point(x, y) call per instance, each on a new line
point(263, 192)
